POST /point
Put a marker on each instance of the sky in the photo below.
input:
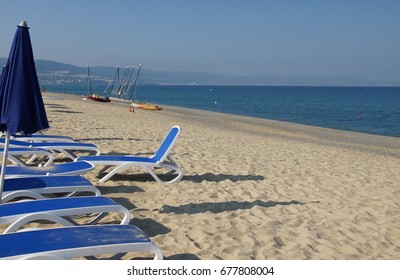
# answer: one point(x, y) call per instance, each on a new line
point(359, 38)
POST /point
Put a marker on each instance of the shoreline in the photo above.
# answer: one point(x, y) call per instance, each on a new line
point(336, 137)
point(357, 117)
point(252, 188)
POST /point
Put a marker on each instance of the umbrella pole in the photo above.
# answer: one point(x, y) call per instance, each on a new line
point(4, 164)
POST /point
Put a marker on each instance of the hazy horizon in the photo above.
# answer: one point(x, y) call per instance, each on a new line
point(299, 38)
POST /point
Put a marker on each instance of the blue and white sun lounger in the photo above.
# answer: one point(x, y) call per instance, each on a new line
point(58, 210)
point(160, 159)
point(74, 242)
point(42, 187)
point(69, 168)
point(42, 138)
point(15, 154)
point(66, 148)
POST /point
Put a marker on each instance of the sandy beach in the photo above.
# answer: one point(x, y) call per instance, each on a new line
point(252, 189)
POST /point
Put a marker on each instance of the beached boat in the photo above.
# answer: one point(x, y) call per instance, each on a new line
point(94, 96)
point(145, 106)
point(123, 89)
point(98, 98)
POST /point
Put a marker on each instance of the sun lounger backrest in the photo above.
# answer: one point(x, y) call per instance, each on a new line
point(167, 144)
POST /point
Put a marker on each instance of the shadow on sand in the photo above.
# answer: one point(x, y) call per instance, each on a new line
point(183, 256)
point(119, 189)
point(221, 177)
point(66, 112)
point(150, 227)
point(124, 202)
point(219, 207)
point(99, 139)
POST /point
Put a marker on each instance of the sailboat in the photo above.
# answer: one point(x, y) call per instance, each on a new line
point(125, 89)
point(95, 96)
point(118, 89)
point(138, 104)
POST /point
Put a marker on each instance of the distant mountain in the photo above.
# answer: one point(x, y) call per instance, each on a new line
point(52, 72)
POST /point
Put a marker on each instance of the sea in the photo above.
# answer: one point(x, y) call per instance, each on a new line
point(374, 110)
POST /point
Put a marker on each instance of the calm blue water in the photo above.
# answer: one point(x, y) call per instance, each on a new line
point(373, 110)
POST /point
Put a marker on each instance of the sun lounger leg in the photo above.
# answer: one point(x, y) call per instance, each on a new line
point(24, 194)
point(174, 168)
point(16, 160)
point(32, 159)
point(113, 172)
point(158, 255)
point(68, 154)
point(38, 216)
point(104, 169)
point(166, 166)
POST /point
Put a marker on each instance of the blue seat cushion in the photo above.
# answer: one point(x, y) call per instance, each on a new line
point(28, 242)
point(23, 183)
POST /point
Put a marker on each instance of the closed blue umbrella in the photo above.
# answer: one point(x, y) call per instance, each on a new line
point(21, 103)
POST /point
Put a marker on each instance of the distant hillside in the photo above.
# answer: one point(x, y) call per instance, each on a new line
point(52, 72)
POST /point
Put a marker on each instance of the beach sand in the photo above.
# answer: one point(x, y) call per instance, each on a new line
point(252, 189)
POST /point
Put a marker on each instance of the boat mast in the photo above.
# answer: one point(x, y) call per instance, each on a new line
point(112, 84)
point(120, 84)
point(133, 97)
point(128, 82)
point(90, 83)
point(123, 86)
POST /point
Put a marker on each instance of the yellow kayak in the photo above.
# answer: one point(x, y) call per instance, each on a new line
point(146, 106)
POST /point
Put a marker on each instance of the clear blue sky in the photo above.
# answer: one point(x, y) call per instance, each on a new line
point(341, 37)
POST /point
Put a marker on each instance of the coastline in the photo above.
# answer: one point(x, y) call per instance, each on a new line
point(253, 188)
point(342, 108)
